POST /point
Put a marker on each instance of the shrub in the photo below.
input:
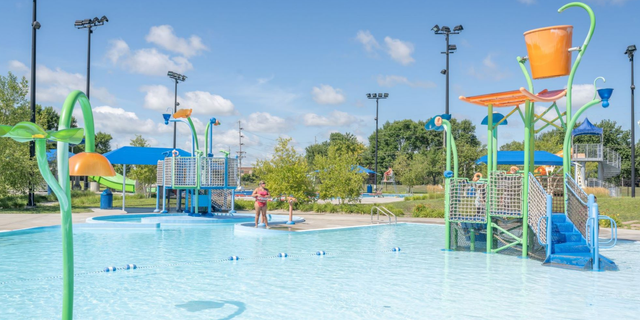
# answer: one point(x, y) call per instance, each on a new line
point(607, 223)
point(425, 197)
point(423, 211)
point(598, 192)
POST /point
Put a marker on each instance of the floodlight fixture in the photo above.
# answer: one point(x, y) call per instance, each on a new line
point(446, 29)
point(443, 71)
point(435, 28)
point(458, 28)
point(452, 47)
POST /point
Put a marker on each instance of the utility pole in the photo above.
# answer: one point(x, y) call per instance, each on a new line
point(240, 152)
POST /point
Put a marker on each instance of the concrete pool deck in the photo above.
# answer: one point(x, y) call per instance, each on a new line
point(314, 221)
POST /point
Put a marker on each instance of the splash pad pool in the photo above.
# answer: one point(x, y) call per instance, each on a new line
point(184, 271)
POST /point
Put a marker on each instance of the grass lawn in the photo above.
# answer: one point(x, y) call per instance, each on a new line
point(80, 202)
point(625, 210)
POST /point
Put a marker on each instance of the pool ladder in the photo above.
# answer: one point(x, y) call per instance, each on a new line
point(384, 211)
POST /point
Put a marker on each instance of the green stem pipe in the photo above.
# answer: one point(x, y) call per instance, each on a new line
point(67, 235)
point(451, 150)
point(193, 131)
point(206, 140)
point(65, 187)
point(574, 68)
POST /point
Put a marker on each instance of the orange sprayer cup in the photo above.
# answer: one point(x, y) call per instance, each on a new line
point(548, 51)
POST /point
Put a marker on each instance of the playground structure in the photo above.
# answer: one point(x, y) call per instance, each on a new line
point(513, 213)
point(216, 176)
point(609, 161)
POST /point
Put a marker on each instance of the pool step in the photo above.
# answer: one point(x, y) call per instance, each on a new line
point(569, 248)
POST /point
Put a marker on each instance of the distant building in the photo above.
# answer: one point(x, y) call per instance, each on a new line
point(246, 170)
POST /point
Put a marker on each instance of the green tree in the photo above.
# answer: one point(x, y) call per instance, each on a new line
point(18, 170)
point(286, 173)
point(145, 175)
point(411, 172)
point(338, 175)
point(316, 149)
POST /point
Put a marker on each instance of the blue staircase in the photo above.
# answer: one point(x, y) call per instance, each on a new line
point(569, 248)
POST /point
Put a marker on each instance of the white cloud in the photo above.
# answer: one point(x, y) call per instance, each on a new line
point(581, 94)
point(265, 80)
point(335, 119)
point(488, 62)
point(121, 124)
point(326, 94)
point(265, 122)
point(399, 50)
point(55, 85)
point(18, 67)
point(392, 81)
point(159, 98)
point(367, 40)
point(148, 61)
point(164, 37)
point(527, 2)
point(489, 70)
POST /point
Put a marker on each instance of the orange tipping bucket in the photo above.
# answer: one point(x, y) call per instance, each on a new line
point(548, 51)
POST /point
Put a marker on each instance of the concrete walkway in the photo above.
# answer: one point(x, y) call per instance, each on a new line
point(314, 221)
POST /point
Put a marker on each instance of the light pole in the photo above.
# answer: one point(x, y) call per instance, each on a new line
point(35, 25)
point(89, 24)
point(448, 50)
point(176, 77)
point(377, 97)
point(630, 51)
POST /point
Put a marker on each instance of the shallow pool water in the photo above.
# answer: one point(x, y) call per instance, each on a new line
point(184, 274)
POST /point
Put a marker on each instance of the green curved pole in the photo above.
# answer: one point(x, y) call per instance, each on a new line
point(65, 188)
point(451, 150)
point(454, 151)
point(206, 139)
point(193, 131)
point(592, 27)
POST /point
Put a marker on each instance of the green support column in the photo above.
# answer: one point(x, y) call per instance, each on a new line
point(528, 150)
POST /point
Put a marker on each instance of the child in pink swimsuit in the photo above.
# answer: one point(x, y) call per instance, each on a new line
point(261, 194)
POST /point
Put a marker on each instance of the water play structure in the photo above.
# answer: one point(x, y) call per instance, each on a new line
point(208, 181)
point(513, 213)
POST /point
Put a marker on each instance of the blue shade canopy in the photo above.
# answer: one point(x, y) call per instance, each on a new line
point(53, 155)
point(362, 169)
point(141, 155)
point(496, 118)
point(586, 129)
point(516, 158)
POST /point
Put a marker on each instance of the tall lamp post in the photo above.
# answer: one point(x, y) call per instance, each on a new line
point(89, 24)
point(450, 48)
point(377, 97)
point(35, 25)
point(630, 51)
point(176, 77)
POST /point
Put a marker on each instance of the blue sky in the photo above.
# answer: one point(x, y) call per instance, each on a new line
point(301, 69)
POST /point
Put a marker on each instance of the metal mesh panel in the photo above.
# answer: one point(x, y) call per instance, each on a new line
point(168, 165)
point(467, 201)
point(505, 196)
point(221, 199)
point(577, 210)
point(537, 208)
point(232, 173)
point(212, 172)
point(185, 172)
point(159, 172)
